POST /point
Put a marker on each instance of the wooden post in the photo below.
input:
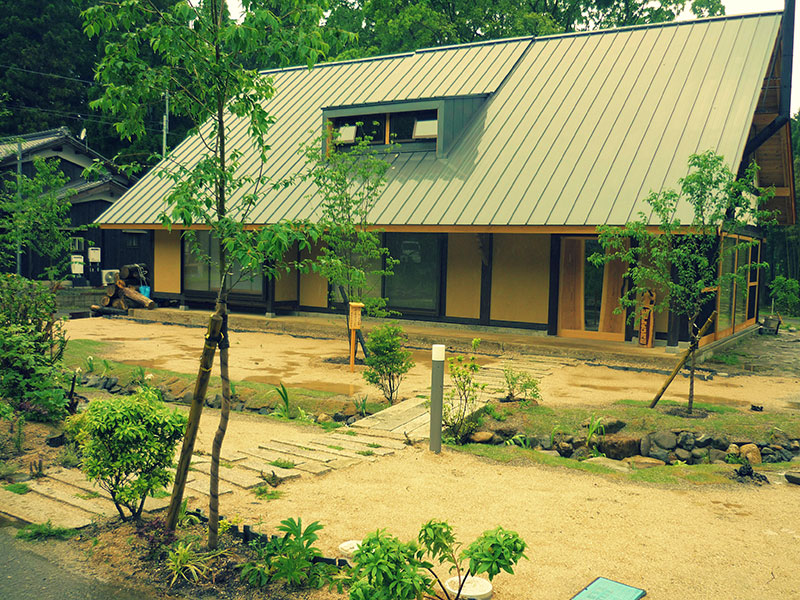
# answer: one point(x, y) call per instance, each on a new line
point(355, 325)
point(647, 326)
point(683, 360)
point(200, 389)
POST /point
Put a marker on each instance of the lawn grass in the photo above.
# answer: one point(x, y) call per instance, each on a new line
point(544, 420)
point(17, 488)
point(255, 394)
point(36, 532)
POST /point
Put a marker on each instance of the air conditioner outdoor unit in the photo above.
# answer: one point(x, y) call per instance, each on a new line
point(109, 275)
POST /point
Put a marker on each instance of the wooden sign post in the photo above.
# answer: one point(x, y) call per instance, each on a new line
point(355, 325)
point(647, 323)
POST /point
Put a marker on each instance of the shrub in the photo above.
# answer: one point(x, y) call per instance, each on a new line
point(786, 294)
point(289, 558)
point(128, 444)
point(388, 361)
point(520, 385)
point(459, 415)
point(387, 569)
point(192, 566)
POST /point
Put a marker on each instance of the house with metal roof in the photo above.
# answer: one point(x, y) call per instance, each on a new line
point(89, 199)
point(512, 152)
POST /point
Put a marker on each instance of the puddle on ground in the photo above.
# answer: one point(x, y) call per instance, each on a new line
point(347, 389)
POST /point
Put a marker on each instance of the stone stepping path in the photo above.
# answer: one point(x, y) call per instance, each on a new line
point(67, 499)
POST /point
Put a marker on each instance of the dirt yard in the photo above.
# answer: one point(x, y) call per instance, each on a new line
point(734, 541)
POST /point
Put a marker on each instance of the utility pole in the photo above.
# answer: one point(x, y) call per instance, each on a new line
point(19, 204)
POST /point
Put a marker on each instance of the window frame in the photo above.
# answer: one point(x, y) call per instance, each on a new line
point(366, 110)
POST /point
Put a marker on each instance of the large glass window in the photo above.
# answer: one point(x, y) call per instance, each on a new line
point(726, 289)
point(416, 283)
point(741, 287)
point(200, 276)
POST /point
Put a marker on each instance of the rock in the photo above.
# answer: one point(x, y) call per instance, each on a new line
point(733, 449)
point(614, 426)
point(643, 462)
point(351, 420)
point(683, 455)
point(263, 411)
point(741, 440)
point(699, 454)
point(644, 446)
point(505, 432)
point(720, 442)
point(766, 451)
point(702, 440)
point(617, 447)
point(54, 441)
point(715, 455)
point(114, 389)
point(187, 397)
point(238, 406)
point(795, 446)
point(549, 452)
point(751, 453)
point(614, 465)
point(793, 477)
point(564, 449)
point(94, 381)
point(686, 440)
point(339, 417)
point(780, 438)
point(581, 453)
point(545, 442)
point(481, 437)
point(324, 418)
point(216, 402)
point(110, 382)
point(659, 454)
point(167, 396)
point(665, 440)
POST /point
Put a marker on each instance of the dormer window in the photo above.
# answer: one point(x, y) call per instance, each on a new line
point(407, 127)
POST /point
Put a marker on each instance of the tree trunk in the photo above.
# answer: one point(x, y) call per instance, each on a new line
point(199, 396)
point(222, 427)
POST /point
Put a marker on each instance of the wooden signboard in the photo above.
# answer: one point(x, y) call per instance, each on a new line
point(355, 325)
point(647, 321)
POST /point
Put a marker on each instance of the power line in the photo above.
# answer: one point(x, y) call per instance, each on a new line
point(46, 74)
point(74, 116)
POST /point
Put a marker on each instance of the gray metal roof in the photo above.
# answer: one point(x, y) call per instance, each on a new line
point(577, 130)
point(31, 141)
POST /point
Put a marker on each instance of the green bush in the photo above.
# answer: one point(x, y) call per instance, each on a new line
point(520, 386)
point(388, 361)
point(459, 412)
point(37, 532)
point(786, 294)
point(387, 569)
point(289, 559)
point(128, 444)
point(32, 343)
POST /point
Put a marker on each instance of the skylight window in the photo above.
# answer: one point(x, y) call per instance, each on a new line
point(347, 134)
point(403, 126)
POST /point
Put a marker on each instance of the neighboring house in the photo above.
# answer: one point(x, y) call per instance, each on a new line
point(512, 153)
point(89, 199)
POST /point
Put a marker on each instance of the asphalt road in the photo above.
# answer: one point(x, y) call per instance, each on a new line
point(24, 575)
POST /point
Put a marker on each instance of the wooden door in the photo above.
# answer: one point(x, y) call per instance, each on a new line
point(588, 294)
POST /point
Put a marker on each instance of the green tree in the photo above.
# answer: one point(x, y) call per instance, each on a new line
point(128, 444)
point(34, 217)
point(390, 26)
point(680, 261)
point(208, 63)
point(348, 181)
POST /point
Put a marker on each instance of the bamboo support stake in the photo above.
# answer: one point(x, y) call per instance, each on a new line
point(199, 396)
point(683, 360)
